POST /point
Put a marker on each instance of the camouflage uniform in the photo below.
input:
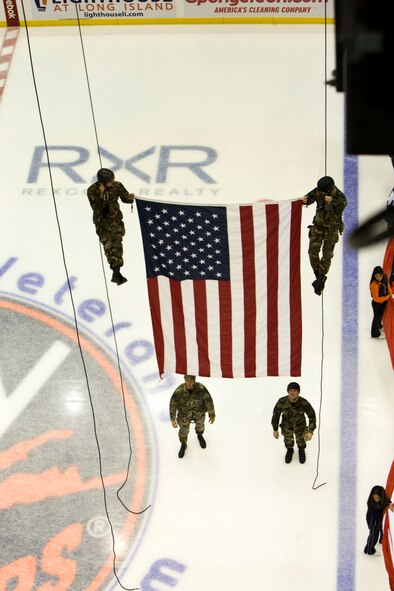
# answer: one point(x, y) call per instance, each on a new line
point(293, 420)
point(325, 230)
point(108, 219)
point(187, 406)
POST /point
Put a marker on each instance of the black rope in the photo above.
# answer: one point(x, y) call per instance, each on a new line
point(108, 298)
point(105, 278)
point(89, 91)
point(322, 293)
point(73, 303)
point(321, 398)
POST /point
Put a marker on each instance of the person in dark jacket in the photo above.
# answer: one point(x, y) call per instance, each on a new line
point(326, 227)
point(377, 504)
point(108, 218)
point(293, 409)
point(380, 292)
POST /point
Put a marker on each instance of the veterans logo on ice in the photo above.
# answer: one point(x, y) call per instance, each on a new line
point(54, 528)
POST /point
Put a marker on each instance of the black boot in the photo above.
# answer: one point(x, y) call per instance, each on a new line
point(301, 455)
point(318, 284)
point(117, 277)
point(289, 455)
point(182, 450)
point(202, 441)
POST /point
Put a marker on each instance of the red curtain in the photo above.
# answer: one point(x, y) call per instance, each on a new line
point(387, 533)
point(388, 316)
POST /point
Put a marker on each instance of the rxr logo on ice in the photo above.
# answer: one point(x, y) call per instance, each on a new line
point(70, 159)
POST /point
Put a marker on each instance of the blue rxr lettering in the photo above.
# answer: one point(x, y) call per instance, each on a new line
point(69, 159)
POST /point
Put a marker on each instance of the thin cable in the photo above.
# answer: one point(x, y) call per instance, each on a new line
point(321, 397)
point(105, 278)
point(88, 85)
point(72, 300)
point(322, 293)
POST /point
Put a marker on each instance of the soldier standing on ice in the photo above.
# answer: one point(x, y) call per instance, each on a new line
point(190, 402)
point(293, 409)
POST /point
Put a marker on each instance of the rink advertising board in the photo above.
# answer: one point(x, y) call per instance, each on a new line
point(69, 12)
point(50, 12)
point(272, 9)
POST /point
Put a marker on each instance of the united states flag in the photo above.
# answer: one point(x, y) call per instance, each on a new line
point(224, 287)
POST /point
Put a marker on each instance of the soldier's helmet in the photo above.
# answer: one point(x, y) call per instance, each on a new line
point(325, 184)
point(105, 175)
point(293, 386)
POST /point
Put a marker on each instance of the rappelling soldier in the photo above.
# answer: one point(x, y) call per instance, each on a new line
point(326, 227)
point(108, 218)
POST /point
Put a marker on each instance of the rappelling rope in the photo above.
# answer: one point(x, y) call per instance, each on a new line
point(314, 487)
point(103, 268)
point(78, 338)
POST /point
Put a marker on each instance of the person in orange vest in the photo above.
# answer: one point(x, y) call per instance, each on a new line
point(380, 292)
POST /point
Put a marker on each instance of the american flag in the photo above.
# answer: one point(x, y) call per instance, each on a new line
point(388, 529)
point(224, 287)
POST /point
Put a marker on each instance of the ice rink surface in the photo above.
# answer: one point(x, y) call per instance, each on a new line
point(233, 516)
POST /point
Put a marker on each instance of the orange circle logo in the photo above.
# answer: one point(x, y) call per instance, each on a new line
point(51, 489)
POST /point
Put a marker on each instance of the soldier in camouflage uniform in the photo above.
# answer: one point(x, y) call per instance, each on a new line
point(326, 227)
point(293, 409)
point(108, 218)
point(190, 402)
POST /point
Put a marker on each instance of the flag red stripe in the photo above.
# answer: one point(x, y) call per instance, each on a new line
point(226, 337)
point(295, 290)
point(272, 222)
point(154, 302)
point(179, 326)
point(249, 290)
point(200, 306)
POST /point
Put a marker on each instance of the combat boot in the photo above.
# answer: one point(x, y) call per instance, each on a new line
point(319, 283)
point(202, 441)
point(289, 455)
point(301, 455)
point(182, 450)
point(117, 277)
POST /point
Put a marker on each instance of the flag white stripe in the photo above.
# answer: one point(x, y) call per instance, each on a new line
point(284, 337)
point(237, 299)
point(260, 231)
point(167, 323)
point(213, 320)
point(190, 327)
